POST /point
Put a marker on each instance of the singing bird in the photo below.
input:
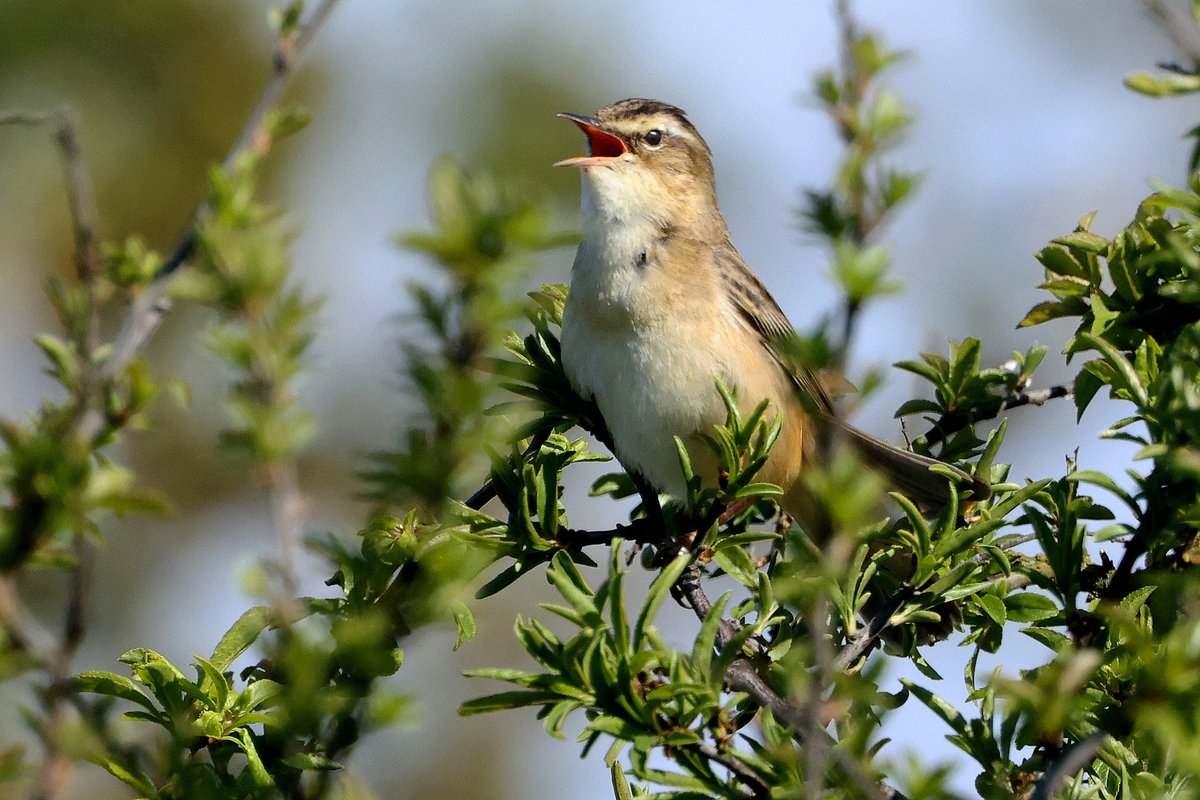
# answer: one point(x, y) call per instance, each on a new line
point(661, 305)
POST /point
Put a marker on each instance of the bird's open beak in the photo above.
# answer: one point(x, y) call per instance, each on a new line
point(603, 145)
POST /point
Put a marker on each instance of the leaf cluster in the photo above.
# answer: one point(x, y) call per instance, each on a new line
point(482, 243)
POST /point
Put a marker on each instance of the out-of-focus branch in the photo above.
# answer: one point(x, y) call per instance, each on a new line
point(55, 655)
point(289, 509)
point(153, 304)
point(21, 627)
point(81, 202)
point(1178, 27)
point(84, 217)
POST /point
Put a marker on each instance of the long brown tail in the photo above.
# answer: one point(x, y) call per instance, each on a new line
point(909, 472)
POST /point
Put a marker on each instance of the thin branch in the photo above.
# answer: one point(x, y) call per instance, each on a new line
point(817, 754)
point(638, 530)
point(1135, 548)
point(740, 770)
point(85, 219)
point(153, 304)
point(1075, 759)
point(954, 422)
point(689, 592)
point(55, 656)
point(81, 203)
point(59, 763)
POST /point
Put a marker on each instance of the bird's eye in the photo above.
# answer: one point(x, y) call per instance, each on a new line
point(653, 137)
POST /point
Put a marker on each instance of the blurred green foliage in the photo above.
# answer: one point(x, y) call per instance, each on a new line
point(152, 117)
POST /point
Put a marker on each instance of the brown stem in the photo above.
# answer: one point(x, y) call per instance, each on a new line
point(85, 220)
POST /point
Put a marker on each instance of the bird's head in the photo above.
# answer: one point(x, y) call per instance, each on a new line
point(646, 160)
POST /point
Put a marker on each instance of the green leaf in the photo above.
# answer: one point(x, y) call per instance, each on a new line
point(1030, 607)
point(620, 786)
point(1162, 85)
point(570, 584)
point(1085, 241)
point(113, 685)
point(1058, 642)
point(706, 640)
point(213, 683)
point(140, 781)
point(657, 594)
point(254, 765)
point(1085, 387)
point(313, 761)
point(1060, 262)
point(464, 620)
point(616, 600)
point(993, 606)
point(1137, 598)
point(286, 121)
point(938, 705)
point(1106, 482)
point(240, 636)
point(502, 701)
point(67, 367)
point(758, 490)
point(257, 694)
point(1053, 309)
point(1125, 377)
point(503, 579)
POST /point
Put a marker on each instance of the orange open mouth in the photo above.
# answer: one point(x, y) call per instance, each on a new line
point(603, 145)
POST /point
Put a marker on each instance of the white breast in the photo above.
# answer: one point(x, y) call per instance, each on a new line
point(622, 345)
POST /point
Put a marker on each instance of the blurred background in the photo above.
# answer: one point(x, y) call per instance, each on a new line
point(1022, 126)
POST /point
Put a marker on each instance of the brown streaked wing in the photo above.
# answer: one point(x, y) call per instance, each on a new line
point(759, 309)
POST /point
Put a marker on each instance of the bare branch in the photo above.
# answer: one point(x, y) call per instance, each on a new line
point(638, 530)
point(85, 219)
